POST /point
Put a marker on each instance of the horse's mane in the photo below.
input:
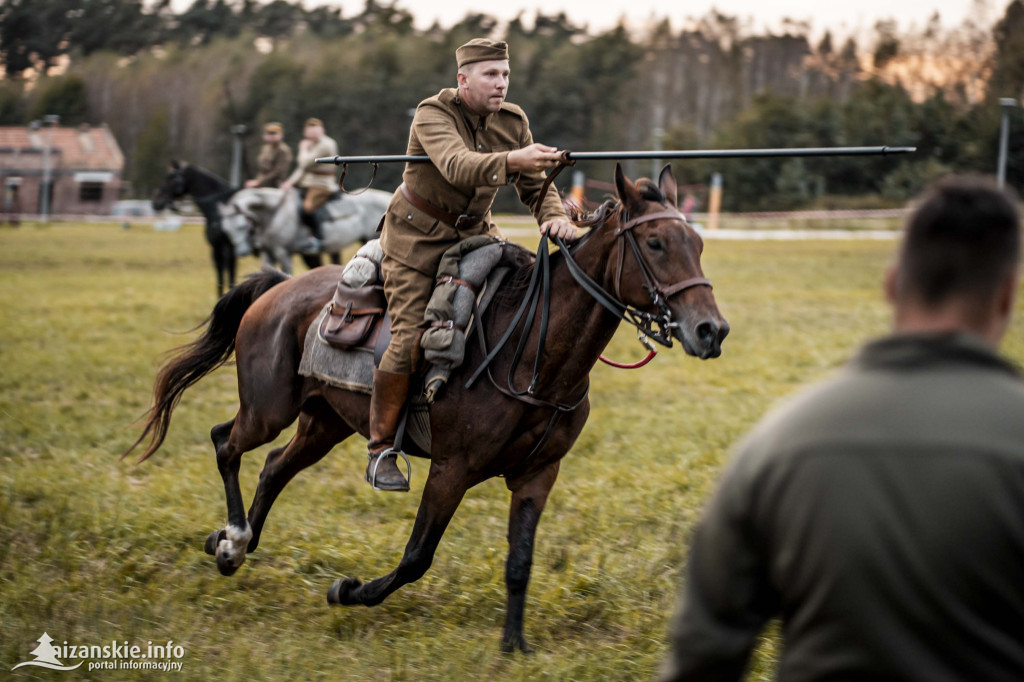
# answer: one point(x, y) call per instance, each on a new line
point(223, 189)
point(510, 293)
point(208, 174)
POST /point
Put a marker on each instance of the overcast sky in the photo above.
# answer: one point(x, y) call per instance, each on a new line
point(842, 17)
point(847, 17)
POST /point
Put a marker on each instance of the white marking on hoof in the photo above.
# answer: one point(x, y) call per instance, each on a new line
point(235, 543)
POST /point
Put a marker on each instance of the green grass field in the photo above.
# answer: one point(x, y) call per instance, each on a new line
point(93, 549)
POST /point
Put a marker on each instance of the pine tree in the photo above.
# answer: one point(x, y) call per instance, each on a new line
point(45, 653)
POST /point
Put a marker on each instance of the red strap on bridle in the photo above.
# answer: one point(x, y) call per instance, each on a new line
point(651, 352)
point(633, 365)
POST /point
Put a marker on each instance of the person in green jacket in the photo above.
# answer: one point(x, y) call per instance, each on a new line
point(880, 514)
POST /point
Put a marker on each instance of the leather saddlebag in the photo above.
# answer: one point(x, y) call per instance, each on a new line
point(354, 316)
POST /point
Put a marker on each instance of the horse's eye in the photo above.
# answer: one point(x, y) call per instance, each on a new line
point(655, 244)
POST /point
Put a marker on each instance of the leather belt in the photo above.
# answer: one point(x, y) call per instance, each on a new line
point(459, 222)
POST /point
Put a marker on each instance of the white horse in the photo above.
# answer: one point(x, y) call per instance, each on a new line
point(268, 219)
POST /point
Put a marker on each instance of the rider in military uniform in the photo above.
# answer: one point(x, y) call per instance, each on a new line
point(274, 160)
point(477, 142)
point(316, 180)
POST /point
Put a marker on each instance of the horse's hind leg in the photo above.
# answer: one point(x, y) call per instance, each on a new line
point(445, 486)
point(528, 500)
point(319, 430)
point(336, 257)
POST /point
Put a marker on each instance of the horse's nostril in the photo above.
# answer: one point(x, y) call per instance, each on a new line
point(706, 332)
point(723, 332)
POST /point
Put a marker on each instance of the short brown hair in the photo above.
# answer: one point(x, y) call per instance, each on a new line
point(962, 239)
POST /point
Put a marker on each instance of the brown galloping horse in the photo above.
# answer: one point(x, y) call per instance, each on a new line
point(477, 433)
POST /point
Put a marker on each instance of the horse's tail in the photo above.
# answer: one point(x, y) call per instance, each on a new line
point(195, 360)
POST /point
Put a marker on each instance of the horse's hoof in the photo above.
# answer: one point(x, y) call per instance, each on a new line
point(341, 591)
point(509, 646)
point(225, 566)
point(213, 540)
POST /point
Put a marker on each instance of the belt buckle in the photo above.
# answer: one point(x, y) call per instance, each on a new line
point(460, 219)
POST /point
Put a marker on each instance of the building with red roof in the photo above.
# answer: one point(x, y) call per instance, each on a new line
point(86, 168)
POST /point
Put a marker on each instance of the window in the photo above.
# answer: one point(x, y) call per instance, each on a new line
point(90, 191)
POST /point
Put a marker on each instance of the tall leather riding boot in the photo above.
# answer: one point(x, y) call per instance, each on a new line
point(315, 225)
point(390, 391)
point(314, 244)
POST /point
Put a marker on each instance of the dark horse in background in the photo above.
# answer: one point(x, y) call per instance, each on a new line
point(208, 191)
point(640, 248)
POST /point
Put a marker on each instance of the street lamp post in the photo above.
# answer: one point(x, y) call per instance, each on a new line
point(657, 136)
point(50, 120)
point(1006, 103)
point(238, 131)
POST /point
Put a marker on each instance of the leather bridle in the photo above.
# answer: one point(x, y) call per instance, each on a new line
point(659, 293)
point(656, 326)
point(539, 292)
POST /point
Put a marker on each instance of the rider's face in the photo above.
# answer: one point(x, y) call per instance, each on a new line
point(484, 85)
point(313, 133)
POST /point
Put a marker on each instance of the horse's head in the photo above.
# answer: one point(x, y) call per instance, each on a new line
point(246, 215)
point(172, 188)
point(657, 268)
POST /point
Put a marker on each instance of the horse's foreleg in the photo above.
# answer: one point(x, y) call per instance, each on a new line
point(317, 433)
point(282, 258)
point(218, 268)
point(231, 441)
point(446, 484)
point(231, 262)
point(528, 500)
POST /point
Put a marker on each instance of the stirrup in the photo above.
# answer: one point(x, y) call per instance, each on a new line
point(376, 462)
point(311, 247)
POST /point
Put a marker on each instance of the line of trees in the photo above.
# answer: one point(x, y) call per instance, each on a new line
point(161, 80)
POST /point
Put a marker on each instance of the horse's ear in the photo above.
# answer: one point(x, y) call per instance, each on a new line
point(626, 190)
point(668, 186)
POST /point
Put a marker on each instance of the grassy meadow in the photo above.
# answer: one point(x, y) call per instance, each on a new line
point(93, 549)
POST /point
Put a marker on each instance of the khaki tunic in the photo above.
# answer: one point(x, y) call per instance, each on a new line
point(308, 173)
point(468, 154)
point(272, 164)
point(881, 514)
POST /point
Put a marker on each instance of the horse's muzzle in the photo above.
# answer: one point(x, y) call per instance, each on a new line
point(705, 339)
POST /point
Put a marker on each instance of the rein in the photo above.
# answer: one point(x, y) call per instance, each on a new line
point(654, 326)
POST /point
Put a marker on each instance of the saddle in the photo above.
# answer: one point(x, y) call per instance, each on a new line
point(349, 336)
point(357, 319)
